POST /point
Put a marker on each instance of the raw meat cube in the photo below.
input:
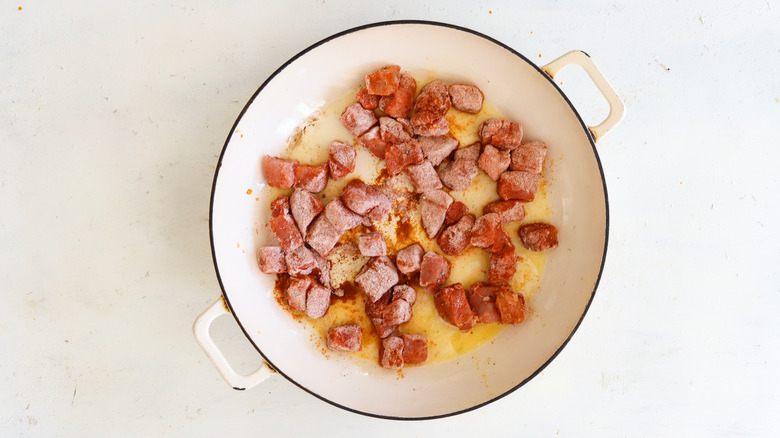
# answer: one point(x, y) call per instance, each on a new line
point(466, 98)
point(372, 244)
point(409, 258)
point(391, 353)
point(304, 207)
point(322, 268)
point(437, 148)
point(433, 98)
point(399, 103)
point(296, 292)
point(322, 235)
point(470, 152)
point(280, 206)
point(518, 185)
point(455, 212)
point(404, 292)
point(270, 260)
point(279, 172)
point(361, 199)
point(300, 261)
point(424, 177)
point(383, 207)
point(394, 131)
point(311, 178)
point(434, 270)
point(377, 277)
point(341, 159)
point(367, 100)
point(374, 312)
point(456, 238)
point(348, 337)
point(510, 211)
point(384, 82)
point(400, 155)
point(357, 119)
point(511, 306)
point(458, 174)
point(538, 236)
point(494, 162)
point(372, 141)
point(503, 265)
point(488, 233)
point(340, 216)
point(397, 312)
point(433, 208)
point(453, 307)
point(482, 299)
point(415, 348)
point(428, 123)
point(286, 232)
point(529, 157)
point(503, 134)
point(317, 301)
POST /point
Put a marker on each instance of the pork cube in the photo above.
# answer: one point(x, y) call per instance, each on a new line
point(340, 216)
point(317, 301)
point(434, 270)
point(488, 233)
point(456, 238)
point(424, 177)
point(400, 103)
point(300, 261)
point(404, 292)
point(415, 349)
point(367, 100)
point(394, 131)
point(341, 159)
point(372, 141)
point(286, 232)
point(466, 98)
point(384, 82)
point(482, 299)
point(434, 98)
point(470, 152)
point(374, 312)
point(391, 353)
point(280, 206)
point(511, 306)
point(400, 155)
point(494, 162)
point(372, 244)
point(322, 235)
point(518, 185)
point(529, 157)
point(455, 212)
point(377, 277)
point(437, 148)
point(311, 178)
point(383, 205)
point(357, 119)
point(408, 259)
point(433, 208)
point(458, 174)
point(538, 237)
point(453, 307)
point(304, 207)
point(322, 268)
point(270, 260)
point(509, 211)
point(503, 265)
point(296, 292)
point(361, 199)
point(429, 124)
point(503, 134)
point(397, 312)
point(348, 337)
point(279, 172)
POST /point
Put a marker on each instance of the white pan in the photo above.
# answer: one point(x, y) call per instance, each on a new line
point(577, 194)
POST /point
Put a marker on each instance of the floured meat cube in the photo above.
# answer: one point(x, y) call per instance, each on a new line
point(286, 232)
point(317, 301)
point(377, 277)
point(538, 236)
point(468, 153)
point(280, 206)
point(455, 212)
point(400, 155)
point(374, 311)
point(502, 134)
point(395, 131)
point(410, 258)
point(322, 235)
point(518, 185)
point(304, 207)
point(453, 307)
point(384, 82)
point(433, 208)
point(458, 174)
point(424, 177)
point(456, 238)
point(430, 107)
point(488, 233)
point(415, 348)
point(296, 292)
point(511, 306)
point(397, 312)
point(300, 261)
point(400, 103)
point(340, 216)
point(270, 260)
point(404, 292)
point(529, 157)
point(348, 337)
point(372, 141)
point(357, 119)
point(482, 299)
point(391, 353)
point(367, 100)
point(279, 172)
point(434, 270)
point(503, 265)
point(437, 148)
point(509, 211)
point(322, 268)
point(341, 159)
point(372, 244)
point(494, 162)
point(466, 98)
point(361, 198)
point(426, 123)
point(311, 178)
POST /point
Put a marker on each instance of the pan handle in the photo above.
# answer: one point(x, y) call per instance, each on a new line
point(201, 329)
point(616, 108)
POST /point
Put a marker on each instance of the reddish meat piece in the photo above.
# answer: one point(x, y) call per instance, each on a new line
point(494, 162)
point(470, 152)
point(433, 98)
point(374, 312)
point(372, 141)
point(455, 212)
point(383, 207)
point(400, 155)
point(391, 353)
point(458, 174)
point(453, 307)
point(322, 268)
point(296, 292)
point(323, 235)
point(511, 306)
point(437, 148)
point(361, 199)
point(311, 178)
point(347, 337)
point(415, 348)
point(529, 157)
point(409, 258)
point(280, 206)
point(279, 172)
point(384, 82)
point(510, 211)
point(304, 207)
point(400, 102)
point(404, 292)
point(367, 100)
point(518, 185)
point(357, 119)
point(317, 301)
point(455, 238)
point(372, 244)
point(538, 236)
point(394, 131)
point(397, 312)
point(424, 177)
point(503, 265)
point(429, 124)
point(340, 216)
point(434, 270)
point(503, 134)
point(488, 233)
point(341, 159)
point(300, 261)
point(466, 98)
point(377, 277)
point(270, 260)
point(482, 299)
point(433, 208)
point(286, 232)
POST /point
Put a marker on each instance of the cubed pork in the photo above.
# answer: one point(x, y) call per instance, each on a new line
point(434, 98)
point(391, 353)
point(434, 270)
point(300, 261)
point(509, 211)
point(518, 185)
point(374, 312)
point(296, 292)
point(286, 232)
point(503, 134)
point(394, 131)
point(538, 237)
point(372, 141)
point(511, 306)
point(415, 348)
point(383, 82)
point(437, 148)
point(453, 307)
point(529, 157)
point(304, 208)
point(488, 233)
point(494, 161)
point(372, 244)
point(377, 277)
point(323, 235)
point(361, 199)
point(404, 292)
point(466, 98)
point(341, 159)
point(397, 312)
point(400, 103)
point(503, 265)
point(340, 216)
point(367, 100)
point(455, 212)
point(280, 206)
point(400, 155)
point(357, 119)
point(482, 299)
point(424, 177)
point(348, 337)
point(456, 238)
point(322, 269)
point(279, 172)
point(311, 178)
point(408, 259)
point(433, 208)
point(458, 174)
point(317, 301)
point(469, 153)
point(270, 260)
point(429, 124)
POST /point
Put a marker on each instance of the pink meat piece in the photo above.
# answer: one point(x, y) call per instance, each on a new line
point(311, 178)
point(433, 208)
point(400, 103)
point(529, 157)
point(511, 306)
point(394, 131)
point(502, 134)
point(415, 348)
point(322, 268)
point(538, 236)
point(304, 207)
point(361, 198)
point(482, 299)
point(518, 185)
point(372, 244)
point(383, 208)
point(429, 124)
point(434, 98)
point(437, 148)
point(408, 259)
point(372, 141)
point(488, 233)
point(453, 307)
point(400, 155)
point(424, 177)
point(367, 100)
point(391, 353)
point(466, 98)
point(341, 159)
point(456, 238)
point(384, 82)
point(434, 270)
point(468, 153)
point(455, 212)
point(296, 292)
point(286, 232)
point(510, 211)
point(357, 119)
point(300, 261)
point(494, 162)
point(279, 172)
point(377, 277)
point(348, 337)
point(374, 312)
point(503, 265)
point(317, 301)
point(340, 216)
point(270, 260)
point(322, 235)
point(280, 206)
point(397, 312)
point(404, 292)
point(458, 174)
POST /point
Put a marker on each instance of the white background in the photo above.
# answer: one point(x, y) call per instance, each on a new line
point(113, 114)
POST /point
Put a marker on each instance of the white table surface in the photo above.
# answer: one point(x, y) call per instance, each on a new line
point(113, 114)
